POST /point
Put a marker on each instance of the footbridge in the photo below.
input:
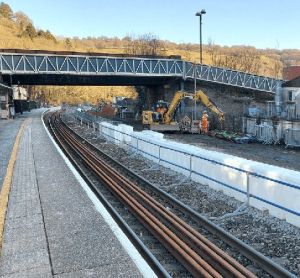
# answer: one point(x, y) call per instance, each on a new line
point(54, 69)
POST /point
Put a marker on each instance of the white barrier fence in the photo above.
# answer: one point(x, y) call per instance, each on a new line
point(292, 137)
point(260, 185)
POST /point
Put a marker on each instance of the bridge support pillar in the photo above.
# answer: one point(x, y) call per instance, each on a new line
point(149, 95)
point(182, 85)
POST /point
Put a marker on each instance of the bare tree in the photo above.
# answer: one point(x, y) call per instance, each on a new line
point(242, 58)
point(277, 69)
point(22, 21)
point(214, 53)
point(6, 11)
point(68, 43)
point(30, 31)
point(147, 44)
point(249, 60)
point(187, 51)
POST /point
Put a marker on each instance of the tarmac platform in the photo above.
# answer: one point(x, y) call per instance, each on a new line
point(52, 228)
point(8, 132)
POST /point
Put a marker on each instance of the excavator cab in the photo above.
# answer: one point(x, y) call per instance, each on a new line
point(161, 107)
point(157, 115)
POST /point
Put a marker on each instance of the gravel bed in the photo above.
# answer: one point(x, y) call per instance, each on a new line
point(271, 236)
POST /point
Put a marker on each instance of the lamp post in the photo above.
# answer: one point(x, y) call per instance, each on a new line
point(202, 12)
point(195, 66)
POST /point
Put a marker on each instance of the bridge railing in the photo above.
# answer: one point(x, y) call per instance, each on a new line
point(15, 63)
point(29, 63)
point(231, 77)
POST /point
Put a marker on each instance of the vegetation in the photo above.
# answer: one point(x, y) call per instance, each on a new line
point(18, 31)
point(56, 95)
point(147, 44)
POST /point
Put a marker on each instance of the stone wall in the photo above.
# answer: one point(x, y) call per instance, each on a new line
point(232, 101)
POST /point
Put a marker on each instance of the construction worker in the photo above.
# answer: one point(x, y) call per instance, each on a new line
point(161, 107)
point(204, 123)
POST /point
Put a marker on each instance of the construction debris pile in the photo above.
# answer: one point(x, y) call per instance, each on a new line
point(233, 137)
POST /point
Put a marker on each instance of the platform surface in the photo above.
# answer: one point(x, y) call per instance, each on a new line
point(8, 132)
point(52, 229)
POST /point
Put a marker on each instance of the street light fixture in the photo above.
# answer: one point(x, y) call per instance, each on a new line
point(202, 12)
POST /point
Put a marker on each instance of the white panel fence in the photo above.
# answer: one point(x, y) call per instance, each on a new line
point(260, 185)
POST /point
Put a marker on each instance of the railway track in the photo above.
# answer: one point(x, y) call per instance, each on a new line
point(165, 220)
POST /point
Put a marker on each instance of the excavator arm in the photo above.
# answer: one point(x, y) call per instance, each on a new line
point(178, 97)
point(200, 96)
point(168, 116)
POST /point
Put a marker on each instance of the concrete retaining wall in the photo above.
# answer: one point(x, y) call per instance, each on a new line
point(263, 186)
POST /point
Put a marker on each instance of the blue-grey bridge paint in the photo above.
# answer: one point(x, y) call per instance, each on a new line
point(39, 69)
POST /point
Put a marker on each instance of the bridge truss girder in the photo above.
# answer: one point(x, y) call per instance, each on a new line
point(24, 66)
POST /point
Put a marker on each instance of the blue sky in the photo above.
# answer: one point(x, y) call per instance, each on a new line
point(261, 23)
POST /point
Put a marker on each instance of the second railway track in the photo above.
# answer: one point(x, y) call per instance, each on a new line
point(184, 251)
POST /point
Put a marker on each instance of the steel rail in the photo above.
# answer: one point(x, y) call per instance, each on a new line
point(265, 263)
point(196, 265)
point(144, 251)
point(177, 246)
point(162, 233)
point(224, 265)
point(206, 248)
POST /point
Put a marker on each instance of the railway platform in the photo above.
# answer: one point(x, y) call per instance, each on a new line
point(51, 226)
point(8, 132)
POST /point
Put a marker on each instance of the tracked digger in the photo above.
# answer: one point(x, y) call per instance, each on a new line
point(162, 119)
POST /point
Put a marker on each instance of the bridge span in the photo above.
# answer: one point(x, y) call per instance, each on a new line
point(55, 69)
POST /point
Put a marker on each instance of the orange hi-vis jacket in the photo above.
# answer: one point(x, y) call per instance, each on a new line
point(204, 123)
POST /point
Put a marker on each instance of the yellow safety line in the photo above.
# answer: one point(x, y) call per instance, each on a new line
point(7, 182)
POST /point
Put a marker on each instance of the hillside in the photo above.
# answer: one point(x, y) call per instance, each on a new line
point(17, 31)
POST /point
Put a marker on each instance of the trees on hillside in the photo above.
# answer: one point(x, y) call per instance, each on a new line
point(49, 36)
point(80, 94)
point(22, 21)
point(147, 44)
point(30, 31)
point(68, 43)
point(25, 25)
point(242, 58)
point(6, 11)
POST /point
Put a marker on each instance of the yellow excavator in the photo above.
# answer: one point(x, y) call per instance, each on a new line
point(163, 118)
